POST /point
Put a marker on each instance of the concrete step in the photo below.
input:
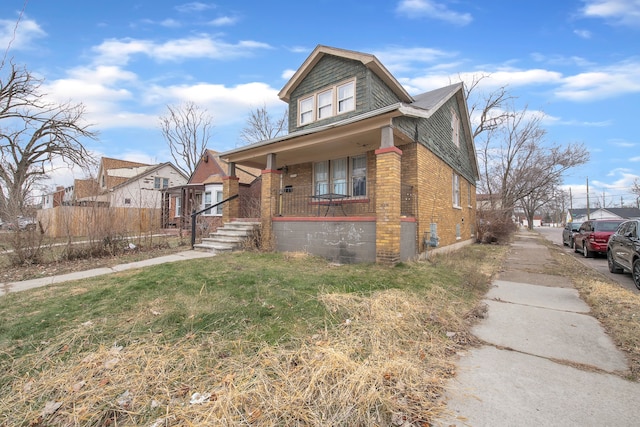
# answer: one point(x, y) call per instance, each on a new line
point(231, 236)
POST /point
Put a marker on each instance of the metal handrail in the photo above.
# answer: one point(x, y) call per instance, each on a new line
point(195, 214)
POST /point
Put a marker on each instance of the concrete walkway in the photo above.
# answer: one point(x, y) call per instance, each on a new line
point(546, 361)
point(5, 288)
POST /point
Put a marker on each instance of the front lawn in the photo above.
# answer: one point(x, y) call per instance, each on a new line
point(242, 339)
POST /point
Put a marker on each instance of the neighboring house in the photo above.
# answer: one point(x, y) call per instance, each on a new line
point(54, 199)
point(120, 183)
point(488, 202)
point(367, 173)
point(205, 188)
point(581, 215)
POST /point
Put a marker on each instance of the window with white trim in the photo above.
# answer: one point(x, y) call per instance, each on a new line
point(456, 190)
point(359, 176)
point(207, 203)
point(327, 102)
point(306, 110)
point(347, 175)
point(218, 200)
point(346, 97)
point(178, 206)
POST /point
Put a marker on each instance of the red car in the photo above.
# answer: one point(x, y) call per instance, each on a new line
point(592, 236)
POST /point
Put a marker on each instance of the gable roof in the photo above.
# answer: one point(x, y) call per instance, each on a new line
point(211, 169)
point(368, 60)
point(149, 171)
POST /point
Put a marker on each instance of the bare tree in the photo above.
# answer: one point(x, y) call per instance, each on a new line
point(521, 167)
point(33, 133)
point(261, 126)
point(187, 130)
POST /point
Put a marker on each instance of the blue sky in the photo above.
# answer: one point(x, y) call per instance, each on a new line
point(578, 61)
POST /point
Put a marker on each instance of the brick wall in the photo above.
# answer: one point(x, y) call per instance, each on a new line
point(434, 189)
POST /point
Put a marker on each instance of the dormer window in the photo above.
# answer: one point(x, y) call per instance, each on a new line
point(327, 103)
point(306, 110)
point(345, 97)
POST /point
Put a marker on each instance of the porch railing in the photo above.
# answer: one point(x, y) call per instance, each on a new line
point(195, 214)
point(304, 202)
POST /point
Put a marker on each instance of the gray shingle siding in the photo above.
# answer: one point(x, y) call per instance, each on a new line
point(435, 134)
point(371, 92)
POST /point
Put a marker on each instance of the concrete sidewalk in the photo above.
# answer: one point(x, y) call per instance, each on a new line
point(5, 288)
point(546, 361)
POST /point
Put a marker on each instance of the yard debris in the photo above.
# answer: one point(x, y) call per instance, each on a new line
point(125, 399)
point(199, 398)
point(50, 408)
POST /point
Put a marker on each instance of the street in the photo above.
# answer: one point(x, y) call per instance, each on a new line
point(599, 263)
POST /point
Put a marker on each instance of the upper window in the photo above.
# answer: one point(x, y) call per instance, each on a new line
point(327, 103)
point(456, 190)
point(455, 128)
point(346, 176)
point(346, 97)
point(160, 182)
point(306, 110)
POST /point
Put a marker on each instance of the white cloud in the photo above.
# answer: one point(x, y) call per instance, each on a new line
point(194, 7)
point(607, 82)
point(287, 74)
point(398, 59)
point(585, 34)
point(223, 21)
point(19, 35)
point(226, 104)
point(432, 9)
point(120, 51)
point(618, 12)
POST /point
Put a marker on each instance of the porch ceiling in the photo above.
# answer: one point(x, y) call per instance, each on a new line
point(335, 142)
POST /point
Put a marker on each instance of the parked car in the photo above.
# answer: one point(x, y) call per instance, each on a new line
point(592, 236)
point(22, 223)
point(623, 250)
point(569, 230)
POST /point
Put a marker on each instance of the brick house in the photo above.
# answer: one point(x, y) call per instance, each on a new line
point(367, 172)
point(204, 188)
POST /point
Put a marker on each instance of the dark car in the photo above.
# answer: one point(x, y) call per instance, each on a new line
point(569, 230)
point(593, 235)
point(623, 250)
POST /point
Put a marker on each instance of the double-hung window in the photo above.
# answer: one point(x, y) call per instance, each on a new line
point(346, 176)
point(306, 110)
point(178, 206)
point(218, 200)
point(359, 176)
point(346, 96)
point(325, 104)
point(207, 202)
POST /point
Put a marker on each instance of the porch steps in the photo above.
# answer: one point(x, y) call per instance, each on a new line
point(230, 237)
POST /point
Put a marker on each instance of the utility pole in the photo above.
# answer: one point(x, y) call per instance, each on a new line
point(588, 211)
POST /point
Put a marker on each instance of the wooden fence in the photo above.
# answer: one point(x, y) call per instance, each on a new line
point(79, 221)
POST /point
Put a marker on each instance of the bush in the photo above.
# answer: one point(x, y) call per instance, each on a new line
point(494, 226)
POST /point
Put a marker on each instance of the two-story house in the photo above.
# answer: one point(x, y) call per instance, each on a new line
point(367, 172)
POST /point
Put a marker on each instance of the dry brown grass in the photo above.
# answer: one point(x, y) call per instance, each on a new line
point(386, 363)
